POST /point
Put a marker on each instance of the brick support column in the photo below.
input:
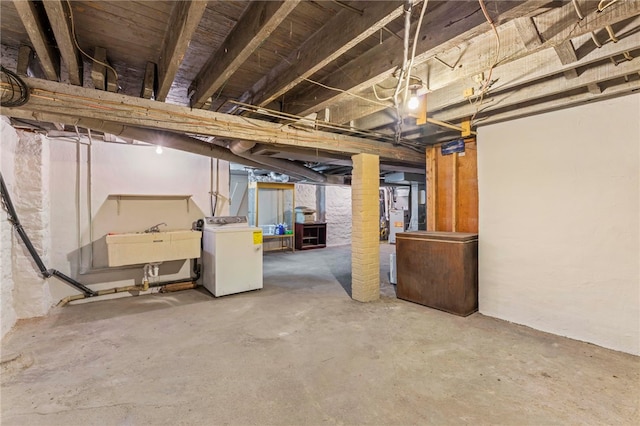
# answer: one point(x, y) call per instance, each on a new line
point(365, 240)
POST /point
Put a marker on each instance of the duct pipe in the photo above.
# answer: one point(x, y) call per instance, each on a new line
point(186, 143)
point(240, 148)
point(157, 137)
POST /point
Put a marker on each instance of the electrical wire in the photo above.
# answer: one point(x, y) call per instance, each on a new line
point(487, 82)
point(346, 92)
point(403, 70)
point(577, 8)
point(75, 40)
point(601, 7)
point(413, 49)
point(17, 91)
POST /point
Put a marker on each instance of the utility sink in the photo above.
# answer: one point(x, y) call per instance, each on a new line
point(135, 248)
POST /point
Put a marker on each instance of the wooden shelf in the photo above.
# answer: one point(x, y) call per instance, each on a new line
point(149, 197)
point(311, 235)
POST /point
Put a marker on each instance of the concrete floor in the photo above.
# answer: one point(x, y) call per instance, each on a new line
point(300, 351)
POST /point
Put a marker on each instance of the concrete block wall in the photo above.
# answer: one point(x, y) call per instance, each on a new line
point(365, 248)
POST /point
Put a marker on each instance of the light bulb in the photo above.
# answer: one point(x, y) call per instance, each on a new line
point(159, 150)
point(413, 103)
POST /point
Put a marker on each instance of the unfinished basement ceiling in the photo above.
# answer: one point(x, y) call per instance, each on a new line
point(219, 72)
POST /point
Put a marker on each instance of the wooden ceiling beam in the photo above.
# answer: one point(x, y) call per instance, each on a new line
point(559, 85)
point(182, 26)
point(47, 55)
point(58, 13)
point(56, 98)
point(444, 27)
point(561, 103)
point(511, 75)
point(253, 28)
point(338, 35)
point(529, 69)
point(528, 32)
point(478, 53)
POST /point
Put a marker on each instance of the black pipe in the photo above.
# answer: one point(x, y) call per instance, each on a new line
point(46, 273)
point(86, 290)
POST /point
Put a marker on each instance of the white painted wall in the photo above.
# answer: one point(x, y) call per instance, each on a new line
point(338, 215)
point(122, 169)
point(49, 182)
point(338, 210)
point(560, 222)
point(306, 196)
point(8, 141)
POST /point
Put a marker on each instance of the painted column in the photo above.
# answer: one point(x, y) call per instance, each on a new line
point(365, 244)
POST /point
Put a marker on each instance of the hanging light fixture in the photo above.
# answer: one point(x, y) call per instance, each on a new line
point(414, 101)
point(158, 150)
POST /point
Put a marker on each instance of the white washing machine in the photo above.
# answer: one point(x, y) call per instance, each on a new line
point(231, 255)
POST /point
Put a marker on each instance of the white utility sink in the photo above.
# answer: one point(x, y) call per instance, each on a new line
point(135, 248)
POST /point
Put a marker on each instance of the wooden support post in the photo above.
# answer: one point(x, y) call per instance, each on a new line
point(431, 188)
point(454, 191)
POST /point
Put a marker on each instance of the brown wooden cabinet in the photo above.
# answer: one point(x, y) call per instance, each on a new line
point(439, 270)
point(311, 235)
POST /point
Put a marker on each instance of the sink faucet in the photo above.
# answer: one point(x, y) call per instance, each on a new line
point(154, 228)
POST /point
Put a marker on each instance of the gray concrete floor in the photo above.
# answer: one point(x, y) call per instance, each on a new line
point(300, 351)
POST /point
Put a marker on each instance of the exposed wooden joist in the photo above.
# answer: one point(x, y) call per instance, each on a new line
point(64, 100)
point(510, 75)
point(443, 28)
point(24, 58)
point(599, 73)
point(182, 25)
point(257, 23)
point(61, 26)
point(566, 53)
point(47, 55)
point(530, 68)
point(594, 88)
point(99, 71)
point(342, 32)
point(557, 23)
point(555, 104)
point(149, 81)
point(528, 32)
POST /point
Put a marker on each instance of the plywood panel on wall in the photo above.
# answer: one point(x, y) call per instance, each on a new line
point(467, 190)
point(452, 190)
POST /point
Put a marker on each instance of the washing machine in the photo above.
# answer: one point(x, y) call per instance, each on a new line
point(231, 255)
